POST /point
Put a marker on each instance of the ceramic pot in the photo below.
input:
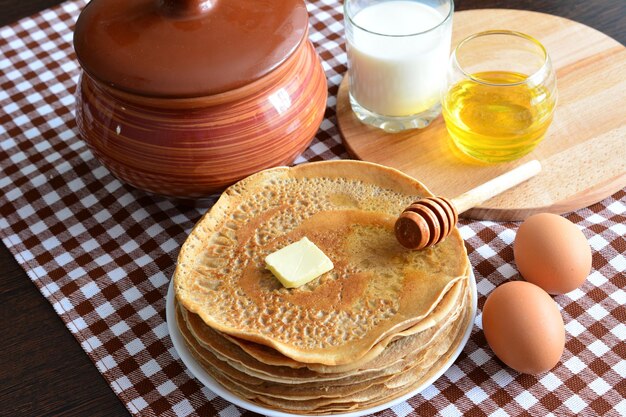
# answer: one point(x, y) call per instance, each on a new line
point(211, 101)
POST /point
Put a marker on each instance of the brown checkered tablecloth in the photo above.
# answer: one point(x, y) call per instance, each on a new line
point(102, 253)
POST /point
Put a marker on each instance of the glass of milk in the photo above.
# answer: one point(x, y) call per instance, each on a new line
point(397, 58)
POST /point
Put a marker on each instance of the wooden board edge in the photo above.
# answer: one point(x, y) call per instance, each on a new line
point(574, 202)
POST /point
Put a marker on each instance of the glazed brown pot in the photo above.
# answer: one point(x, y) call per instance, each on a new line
point(183, 98)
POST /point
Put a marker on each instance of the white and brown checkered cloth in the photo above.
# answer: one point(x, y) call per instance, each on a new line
point(103, 253)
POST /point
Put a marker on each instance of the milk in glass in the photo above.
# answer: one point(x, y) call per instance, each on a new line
point(397, 54)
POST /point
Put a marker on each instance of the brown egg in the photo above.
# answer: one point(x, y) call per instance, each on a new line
point(524, 327)
point(552, 252)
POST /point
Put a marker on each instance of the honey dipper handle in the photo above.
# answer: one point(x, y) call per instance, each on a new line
point(497, 185)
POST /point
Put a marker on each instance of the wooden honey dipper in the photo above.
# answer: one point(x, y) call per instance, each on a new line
point(429, 220)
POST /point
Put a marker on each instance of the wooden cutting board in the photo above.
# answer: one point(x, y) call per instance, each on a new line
point(583, 155)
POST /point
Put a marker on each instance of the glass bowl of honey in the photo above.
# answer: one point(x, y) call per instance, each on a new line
point(501, 95)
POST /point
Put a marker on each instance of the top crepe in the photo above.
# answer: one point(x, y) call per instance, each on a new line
point(348, 209)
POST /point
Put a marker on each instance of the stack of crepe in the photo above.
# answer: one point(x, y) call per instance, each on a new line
point(374, 328)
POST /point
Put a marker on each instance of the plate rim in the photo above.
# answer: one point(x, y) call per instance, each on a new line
point(196, 370)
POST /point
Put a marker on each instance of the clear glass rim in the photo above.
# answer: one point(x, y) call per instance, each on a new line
point(538, 73)
point(348, 15)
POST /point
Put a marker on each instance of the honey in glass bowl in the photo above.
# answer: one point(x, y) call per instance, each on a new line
point(501, 95)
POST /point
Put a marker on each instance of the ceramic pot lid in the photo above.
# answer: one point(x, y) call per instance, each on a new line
point(186, 48)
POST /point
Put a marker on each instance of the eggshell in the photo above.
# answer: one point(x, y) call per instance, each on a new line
point(524, 327)
point(550, 251)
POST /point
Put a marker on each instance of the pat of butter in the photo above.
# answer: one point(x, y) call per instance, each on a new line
point(298, 263)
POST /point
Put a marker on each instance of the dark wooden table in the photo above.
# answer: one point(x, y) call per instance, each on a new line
point(43, 370)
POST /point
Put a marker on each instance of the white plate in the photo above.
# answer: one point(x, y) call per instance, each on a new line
point(195, 368)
